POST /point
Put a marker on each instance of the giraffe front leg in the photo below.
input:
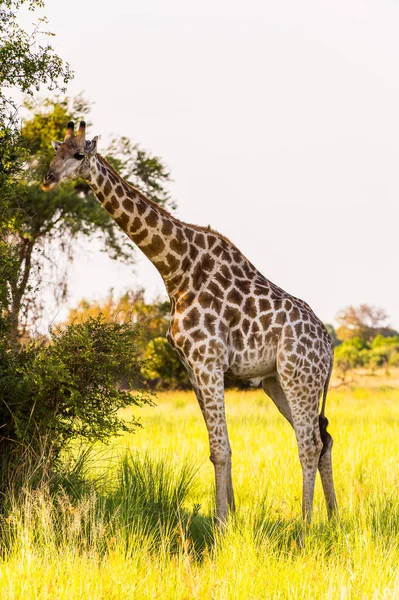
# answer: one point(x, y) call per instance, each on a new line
point(209, 388)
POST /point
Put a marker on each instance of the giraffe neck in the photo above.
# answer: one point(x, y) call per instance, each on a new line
point(161, 237)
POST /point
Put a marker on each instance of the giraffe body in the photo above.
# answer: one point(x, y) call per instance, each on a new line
point(226, 318)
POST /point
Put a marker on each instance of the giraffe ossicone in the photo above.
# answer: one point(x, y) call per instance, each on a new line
point(226, 318)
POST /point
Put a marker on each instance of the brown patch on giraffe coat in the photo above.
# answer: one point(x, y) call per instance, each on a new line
point(198, 276)
point(100, 179)
point(139, 237)
point(128, 204)
point(185, 264)
point(140, 205)
point(225, 271)
point(200, 240)
point(288, 331)
point(167, 227)
point(163, 267)
point(211, 239)
point(222, 280)
point(198, 335)
point(207, 262)
point(152, 219)
point(186, 346)
point(295, 314)
point(155, 247)
point(100, 196)
point(244, 287)
point(193, 252)
point(137, 224)
point(266, 321)
point(191, 319)
point(173, 262)
point(280, 318)
point(184, 302)
point(234, 296)
point(287, 304)
point(189, 234)
point(218, 250)
point(123, 220)
point(215, 290)
point(238, 340)
point(107, 188)
point(249, 307)
point(109, 208)
point(264, 304)
point(237, 271)
point(246, 325)
point(209, 323)
point(115, 201)
point(119, 191)
point(205, 299)
point(179, 245)
point(232, 315)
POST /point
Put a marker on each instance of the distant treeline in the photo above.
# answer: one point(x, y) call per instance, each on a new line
point(363, 339)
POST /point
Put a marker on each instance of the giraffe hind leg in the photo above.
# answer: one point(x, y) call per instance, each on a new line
point(307, 433)
point(274, 390)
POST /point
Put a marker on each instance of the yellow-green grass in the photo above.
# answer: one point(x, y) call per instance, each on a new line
point(54, 548)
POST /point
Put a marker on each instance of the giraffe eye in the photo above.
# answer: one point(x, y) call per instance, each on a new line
point(79, 156)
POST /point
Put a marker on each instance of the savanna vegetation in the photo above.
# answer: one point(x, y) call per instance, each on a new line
point(134, 519)
point(105, 488)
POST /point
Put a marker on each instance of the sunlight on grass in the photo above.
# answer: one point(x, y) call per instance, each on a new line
point(143, 528)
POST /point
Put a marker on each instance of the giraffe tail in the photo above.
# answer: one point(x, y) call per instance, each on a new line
point(323, 421)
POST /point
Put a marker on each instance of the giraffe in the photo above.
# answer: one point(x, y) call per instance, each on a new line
point(226, 318)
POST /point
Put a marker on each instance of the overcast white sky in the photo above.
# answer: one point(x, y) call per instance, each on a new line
point(279, 122)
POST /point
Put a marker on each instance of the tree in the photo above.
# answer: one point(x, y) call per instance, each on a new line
point(364, 321)
point(348, 356)
point(26, 64)
point(70, 388)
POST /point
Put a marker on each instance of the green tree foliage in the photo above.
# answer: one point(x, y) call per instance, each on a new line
point(71, 387)
point(348, 356)
point(381, 352)
point(25, 64)
point(163, 369)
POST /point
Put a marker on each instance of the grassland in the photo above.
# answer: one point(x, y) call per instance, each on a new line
point(143, 528)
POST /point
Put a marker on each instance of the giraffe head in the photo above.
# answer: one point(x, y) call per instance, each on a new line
point(71, 158)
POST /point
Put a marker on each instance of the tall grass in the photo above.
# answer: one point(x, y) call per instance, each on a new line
point(135, 520)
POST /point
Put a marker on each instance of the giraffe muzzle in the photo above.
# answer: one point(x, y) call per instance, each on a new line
point(49, 181)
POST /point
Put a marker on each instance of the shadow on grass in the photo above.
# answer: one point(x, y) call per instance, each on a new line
point(139, 502)
point(142, 502)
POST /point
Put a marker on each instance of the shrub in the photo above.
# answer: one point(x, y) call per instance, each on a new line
point(71, 387)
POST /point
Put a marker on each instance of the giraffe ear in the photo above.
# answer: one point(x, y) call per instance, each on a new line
point(56, 145)
point(91, 147)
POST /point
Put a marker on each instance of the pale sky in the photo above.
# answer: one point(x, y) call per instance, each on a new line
point(279, 122)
